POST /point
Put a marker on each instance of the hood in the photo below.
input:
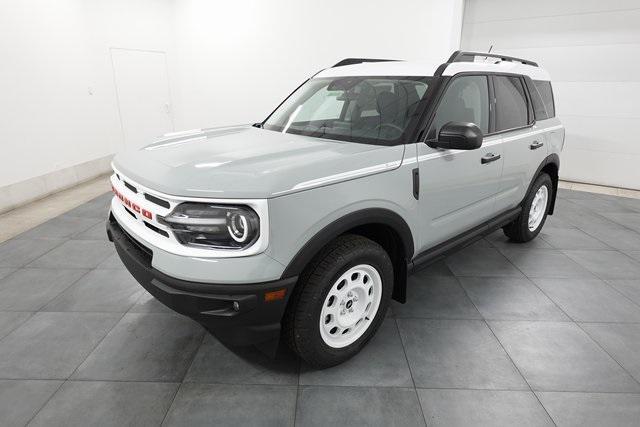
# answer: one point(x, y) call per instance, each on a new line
point(245, 162)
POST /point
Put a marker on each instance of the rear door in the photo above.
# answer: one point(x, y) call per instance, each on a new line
point(523, 144)
point(458, 187)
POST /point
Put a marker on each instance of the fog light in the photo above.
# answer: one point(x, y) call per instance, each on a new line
point(236, 306)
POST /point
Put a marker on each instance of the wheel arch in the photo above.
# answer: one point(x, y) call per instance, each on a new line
point(551, 166)
point(383, 226)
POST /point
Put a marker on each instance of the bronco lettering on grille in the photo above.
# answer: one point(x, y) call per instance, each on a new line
point(131, 205)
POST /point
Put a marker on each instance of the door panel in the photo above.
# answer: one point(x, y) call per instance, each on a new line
point(457, 190)
point(524, 150)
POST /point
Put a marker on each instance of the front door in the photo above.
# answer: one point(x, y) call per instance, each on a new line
point(458, 187)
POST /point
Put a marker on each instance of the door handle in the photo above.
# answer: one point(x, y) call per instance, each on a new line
point(490, 157)
point(536, 144)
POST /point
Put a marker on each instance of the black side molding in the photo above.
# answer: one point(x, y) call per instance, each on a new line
point(452, 245)
point(416, 183)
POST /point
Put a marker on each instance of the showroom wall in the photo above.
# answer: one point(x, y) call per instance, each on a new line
point(73, 71)
point(59, 120)
point(235, 65)
point(591, 48)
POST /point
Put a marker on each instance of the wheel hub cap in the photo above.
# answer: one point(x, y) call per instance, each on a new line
point(350, 306)
point(538, 208)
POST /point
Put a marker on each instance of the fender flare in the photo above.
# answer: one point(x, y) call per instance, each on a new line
point(550, 159)
point(340, 226)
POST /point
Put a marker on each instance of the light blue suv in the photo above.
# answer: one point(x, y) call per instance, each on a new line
point(305, 225)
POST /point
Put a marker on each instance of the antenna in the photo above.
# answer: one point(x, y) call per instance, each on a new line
point(489, 51)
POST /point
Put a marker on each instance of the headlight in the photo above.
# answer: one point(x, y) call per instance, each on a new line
point(213, 226)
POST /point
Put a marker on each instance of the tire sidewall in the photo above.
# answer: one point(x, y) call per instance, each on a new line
point(542, 180)
point(378, 259)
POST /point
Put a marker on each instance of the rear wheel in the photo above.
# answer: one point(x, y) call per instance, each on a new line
point(340, 301)
point(534, 211)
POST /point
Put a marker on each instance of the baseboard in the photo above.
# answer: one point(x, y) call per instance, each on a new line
point(20, 193)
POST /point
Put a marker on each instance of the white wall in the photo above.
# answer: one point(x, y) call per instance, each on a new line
point(229, 62)
point(58, 107)
point(235, 63)
point(592, 50)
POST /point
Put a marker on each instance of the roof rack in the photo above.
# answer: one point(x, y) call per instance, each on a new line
point(462, 56)
point(351, 61)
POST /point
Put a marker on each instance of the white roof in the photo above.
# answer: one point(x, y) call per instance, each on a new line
point(419, 68)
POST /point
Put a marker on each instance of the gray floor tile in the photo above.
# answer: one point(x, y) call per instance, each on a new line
point(96, 208)
point(112, 262)
point(457, 354)
point(576, 195)
point(17, 252)
point(52, 345)
point(621, 341)
point(381, 363)
point(545, 263)
point(87, 403)
point(76, 254)
point(147, 303)
point(482, 408)
point(144, 347)
point(628, 220)
point(97, 232)
point(501, 241)
point(570, 238)
point(30, 289)
point(604, 206)
point(59, 228)
point(481, 262)
point(561, 357)
point(592, 409)
point(590, 300)
point(607, 264)
point(508, 298)
point(215, 363)
point(435, 297)
point(617, 237)
point(10, 320)
point(358, 406)
point(21, 400)
point(5, 271)
point(634, 254)
point(628, 287)
point(100, 291)
point(438, 268)
point(232, 405)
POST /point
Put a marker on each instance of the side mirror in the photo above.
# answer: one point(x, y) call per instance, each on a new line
point(459, 136)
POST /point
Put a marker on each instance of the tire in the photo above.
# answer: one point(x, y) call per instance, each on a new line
point(365, 272)
point(521, 230)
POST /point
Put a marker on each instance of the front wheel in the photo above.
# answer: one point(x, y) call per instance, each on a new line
point(340, 301)
point(534, 211)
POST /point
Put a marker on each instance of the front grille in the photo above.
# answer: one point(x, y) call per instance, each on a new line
point(130, 187)
point(158, 201)
point(156, 229)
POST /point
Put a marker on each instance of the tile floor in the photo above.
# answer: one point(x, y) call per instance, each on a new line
point(498, 334)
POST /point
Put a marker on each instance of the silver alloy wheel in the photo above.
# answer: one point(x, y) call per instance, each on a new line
point(350, 306)
point(538, 208)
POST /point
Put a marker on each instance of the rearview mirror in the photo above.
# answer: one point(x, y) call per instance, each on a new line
point(459, 136)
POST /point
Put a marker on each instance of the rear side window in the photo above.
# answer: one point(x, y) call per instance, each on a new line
point(546, 93)
point(511, 103)
point(466, 100)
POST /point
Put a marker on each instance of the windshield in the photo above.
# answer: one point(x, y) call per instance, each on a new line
point(373, 110)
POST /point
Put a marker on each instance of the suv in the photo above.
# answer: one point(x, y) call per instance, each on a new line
point(307, 224)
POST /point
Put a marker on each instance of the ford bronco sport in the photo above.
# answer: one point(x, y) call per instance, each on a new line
point(307, 224)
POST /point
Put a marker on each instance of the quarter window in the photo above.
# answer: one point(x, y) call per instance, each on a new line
point(545, 91)
point(466, 100)
point(511, 103)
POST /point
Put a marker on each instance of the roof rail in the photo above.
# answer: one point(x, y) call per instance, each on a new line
point(351, 61)
point(462, 56)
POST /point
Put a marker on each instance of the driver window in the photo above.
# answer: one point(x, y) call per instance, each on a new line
point(466, 100)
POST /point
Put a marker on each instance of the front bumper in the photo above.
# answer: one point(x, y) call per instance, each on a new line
point(237, 314)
